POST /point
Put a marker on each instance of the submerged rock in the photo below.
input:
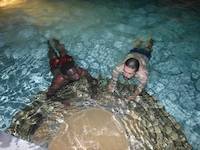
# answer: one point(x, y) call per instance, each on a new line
point(98, 123)
point(92, 128)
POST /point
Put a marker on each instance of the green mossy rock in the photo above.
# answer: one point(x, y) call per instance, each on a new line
point(145, 122)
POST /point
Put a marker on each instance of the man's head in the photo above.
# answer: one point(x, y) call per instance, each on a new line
point(131, 66)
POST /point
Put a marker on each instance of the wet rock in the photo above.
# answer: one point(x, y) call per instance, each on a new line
point(90, 129)
point(140, 124)
point(168, 130)
point(174, 136)
point(26, 122)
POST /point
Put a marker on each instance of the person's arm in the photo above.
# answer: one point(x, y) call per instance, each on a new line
point(62, 50)
point(142, 77)
point(113, 82)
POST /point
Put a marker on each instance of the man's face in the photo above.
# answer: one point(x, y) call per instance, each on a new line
point(128, 72)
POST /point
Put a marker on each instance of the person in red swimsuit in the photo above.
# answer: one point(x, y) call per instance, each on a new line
point(64, 69)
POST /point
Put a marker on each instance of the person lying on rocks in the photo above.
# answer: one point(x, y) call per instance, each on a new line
point(134, 66)
point(64, 68)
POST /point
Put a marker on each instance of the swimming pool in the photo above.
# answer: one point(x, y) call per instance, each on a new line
point(99, 34)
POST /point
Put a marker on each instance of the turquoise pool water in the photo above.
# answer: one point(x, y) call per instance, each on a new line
point(99, 34)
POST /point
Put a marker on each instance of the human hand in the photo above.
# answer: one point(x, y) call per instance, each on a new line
point(132, 97)
point(111, 88)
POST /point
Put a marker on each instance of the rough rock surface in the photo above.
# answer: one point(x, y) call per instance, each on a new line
point(145, 122)
point(92, 129)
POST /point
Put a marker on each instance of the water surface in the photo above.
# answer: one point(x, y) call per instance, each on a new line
point(99, 34)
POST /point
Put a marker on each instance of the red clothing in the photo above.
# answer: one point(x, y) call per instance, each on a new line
point(61, 79)
point(58, 62)
point(54, 62)
point(64, 59)
point(58, 80)
point(72, 73)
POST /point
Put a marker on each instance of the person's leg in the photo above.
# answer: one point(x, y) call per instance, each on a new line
point(56, 84)
point(149, 44)
point(138, 43)
point(142, 47)
point(148, 48)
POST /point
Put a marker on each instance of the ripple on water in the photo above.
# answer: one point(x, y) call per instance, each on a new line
point(168, 23)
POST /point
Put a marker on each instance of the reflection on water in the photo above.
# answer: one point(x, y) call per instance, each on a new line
point(99, 34)
point(9, 3)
